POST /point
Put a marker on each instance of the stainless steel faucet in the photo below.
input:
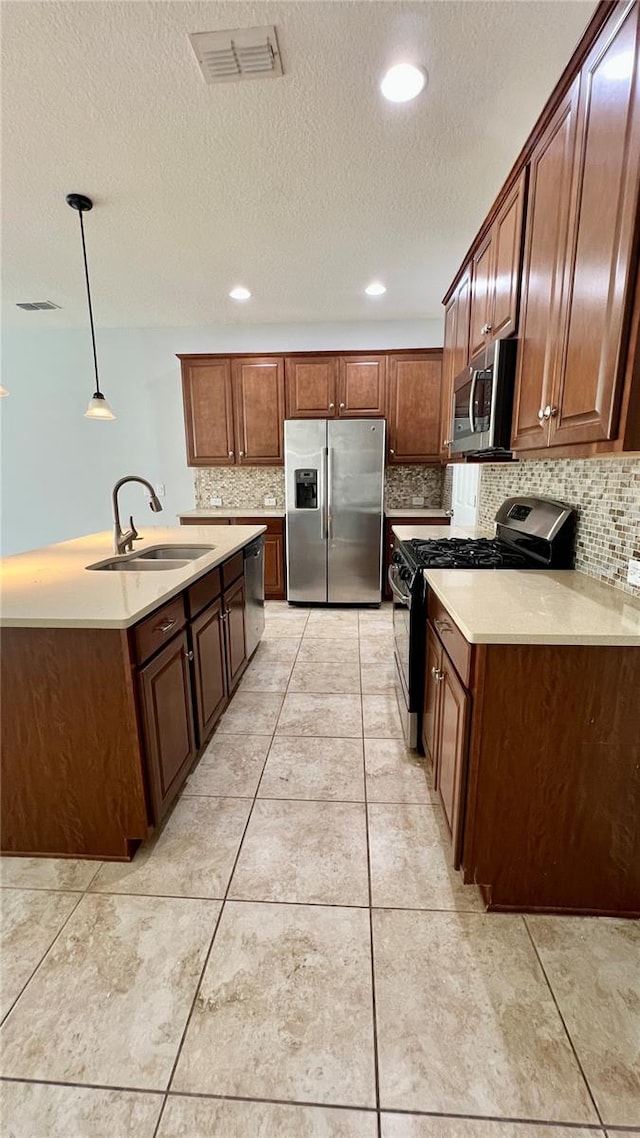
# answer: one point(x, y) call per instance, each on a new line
point(124, 541)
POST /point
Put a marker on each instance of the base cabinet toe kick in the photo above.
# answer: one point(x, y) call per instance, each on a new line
point(101, 727)
point(535, 755)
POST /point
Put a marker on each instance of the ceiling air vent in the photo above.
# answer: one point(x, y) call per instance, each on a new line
point(243, 53)
point(37, 305)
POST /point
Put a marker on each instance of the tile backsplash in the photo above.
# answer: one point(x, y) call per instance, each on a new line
point(246, 487)
point(605, 493)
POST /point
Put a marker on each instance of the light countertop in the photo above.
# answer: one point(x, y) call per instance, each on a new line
point(52, 588)
point(224, 512)
point(412, 512)
point(427, 533)
point(520, 606)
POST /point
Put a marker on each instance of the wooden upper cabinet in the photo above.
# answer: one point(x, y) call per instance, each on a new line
point(312, 383)
point(602, 252)
point(481, 270)
point(550, 178)
point(208, 411)
point(415, 393)
point(507, 255)
point(362, 387)
point(456, 352)
point(258, 393)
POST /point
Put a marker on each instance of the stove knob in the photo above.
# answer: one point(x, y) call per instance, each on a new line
point(397, 558)
point(405, 573)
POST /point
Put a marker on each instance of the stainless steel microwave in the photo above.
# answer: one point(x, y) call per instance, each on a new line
point(483, 400)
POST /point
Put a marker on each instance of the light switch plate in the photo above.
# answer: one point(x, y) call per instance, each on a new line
point(633, 573)
point(417, 501)
point(269, 501)
point(216, 501)
point(161, 489)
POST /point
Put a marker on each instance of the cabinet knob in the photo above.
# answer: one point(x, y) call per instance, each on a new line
point(550, 412)
point(230, 454)
point(342, 405)
point(188, 654)
point(392, 451)
point(541, 416)
point(486, 328)
point(437, 675)
point(447, 442)
point(331, 406)
point(241, 453)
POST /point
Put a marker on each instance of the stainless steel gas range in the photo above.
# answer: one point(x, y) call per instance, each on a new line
point(531, 533)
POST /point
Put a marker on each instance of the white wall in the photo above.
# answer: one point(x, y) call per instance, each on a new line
point(57, 468)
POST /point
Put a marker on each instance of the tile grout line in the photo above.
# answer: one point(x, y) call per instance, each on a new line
point(562, 1020)
point(376, 1065)
point(222, 908)
point(211, 944)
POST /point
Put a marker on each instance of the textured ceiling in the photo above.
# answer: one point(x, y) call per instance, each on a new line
point(302, 188)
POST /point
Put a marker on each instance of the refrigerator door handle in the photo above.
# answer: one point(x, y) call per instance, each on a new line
point(329, 493)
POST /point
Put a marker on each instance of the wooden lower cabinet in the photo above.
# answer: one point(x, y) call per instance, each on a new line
point(236, 652)
point(167, 721)
point(209, 668)
point(275, 571)
point(540, 788)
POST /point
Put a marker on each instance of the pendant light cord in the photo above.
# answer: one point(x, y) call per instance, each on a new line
point(86, 277)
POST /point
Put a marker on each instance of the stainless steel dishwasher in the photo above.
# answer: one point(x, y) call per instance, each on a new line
point(254, 588)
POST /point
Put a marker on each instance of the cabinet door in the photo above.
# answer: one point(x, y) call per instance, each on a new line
point(208, 412)
point(505, 271)
point(274, 563)
point(546, 234)
point(433, 663)
point(481, 280)
point(448, 374)
point(312, 383)
point(451, 750)
point(599, 277)
point(167, 722)
point(463, 316)
point(234, 604)
point(415, 392)
point(362, 387)
point(258, 393)
point(210, 679)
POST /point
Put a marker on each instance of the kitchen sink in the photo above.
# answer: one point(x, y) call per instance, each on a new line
point(158, 557)
point(174, 552)
point(137, 565)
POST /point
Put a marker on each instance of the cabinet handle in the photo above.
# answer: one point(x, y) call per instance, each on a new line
point(550, 412)
point(442, 625)
point(437, 675)
point(230, 454)
point(188, 654)
point(486, 328)
point(166, 626)
point(331, 406)
point(342, 406)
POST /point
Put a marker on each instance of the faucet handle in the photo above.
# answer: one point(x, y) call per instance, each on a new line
point(135, 536)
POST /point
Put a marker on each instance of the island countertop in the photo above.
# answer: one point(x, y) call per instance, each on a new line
point(226, 512)
point(520, 606)
point(52, 588)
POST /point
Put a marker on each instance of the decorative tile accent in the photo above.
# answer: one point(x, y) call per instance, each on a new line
point(245, 488)
point(605, 493)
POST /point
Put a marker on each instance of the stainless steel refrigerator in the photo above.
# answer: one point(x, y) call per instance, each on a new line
point(334, 476)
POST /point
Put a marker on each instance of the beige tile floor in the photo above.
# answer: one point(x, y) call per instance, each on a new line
point(293, 956)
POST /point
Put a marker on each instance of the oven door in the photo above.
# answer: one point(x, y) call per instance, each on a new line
point(472, 401)
point(402, 604)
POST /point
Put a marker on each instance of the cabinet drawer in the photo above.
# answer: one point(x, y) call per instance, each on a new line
point(204, 521)
point(203, 592)
point(232, 569)
point(157, 629)
point(458, 649)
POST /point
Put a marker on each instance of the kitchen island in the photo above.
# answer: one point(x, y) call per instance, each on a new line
point(531, 726)
point(111, 684)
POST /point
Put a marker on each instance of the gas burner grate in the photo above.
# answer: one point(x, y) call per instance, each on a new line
point(466, 553)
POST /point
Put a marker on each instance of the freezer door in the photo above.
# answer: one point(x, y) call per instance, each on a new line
point(305, 457)
point(355, 475)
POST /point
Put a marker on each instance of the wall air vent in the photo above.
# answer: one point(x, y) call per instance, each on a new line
point(37, 305)
point(243, 53)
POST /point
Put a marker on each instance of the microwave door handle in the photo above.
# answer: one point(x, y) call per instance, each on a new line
point(472, 394)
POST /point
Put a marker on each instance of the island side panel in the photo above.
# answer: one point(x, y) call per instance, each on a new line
point(553, 795)
point(72, 777)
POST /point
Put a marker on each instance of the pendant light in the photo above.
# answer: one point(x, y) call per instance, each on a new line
point(3, 391)
point(98, 407)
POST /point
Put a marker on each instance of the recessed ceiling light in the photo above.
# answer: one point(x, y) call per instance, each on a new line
point(240, 293)
point(403, 82)
point(376, 288)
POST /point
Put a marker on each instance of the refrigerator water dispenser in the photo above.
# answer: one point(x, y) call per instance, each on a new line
point(306, 489)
